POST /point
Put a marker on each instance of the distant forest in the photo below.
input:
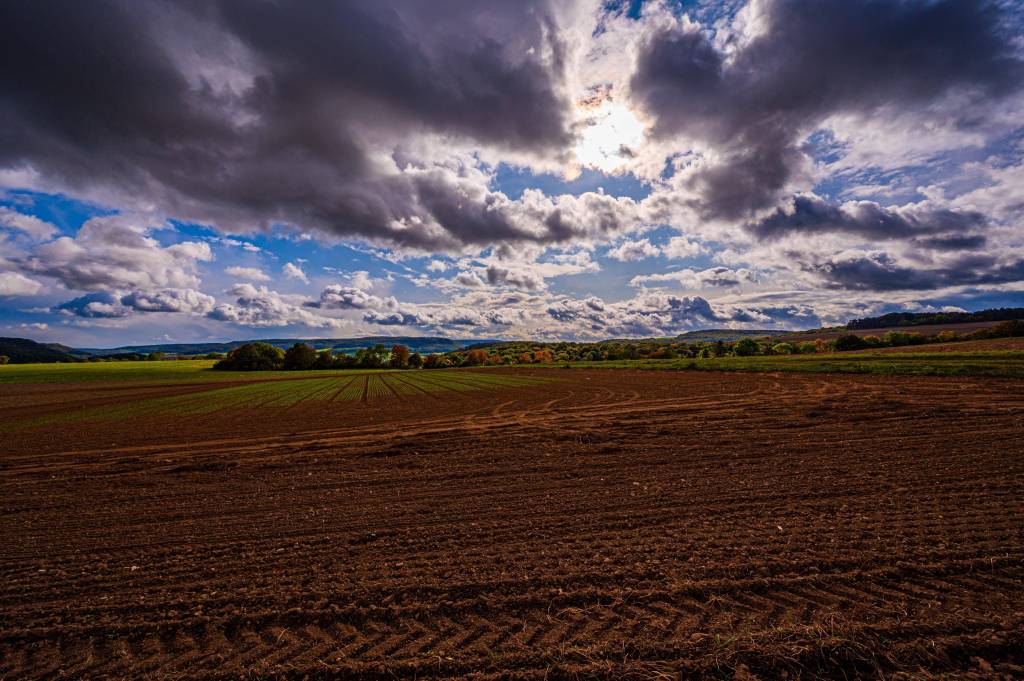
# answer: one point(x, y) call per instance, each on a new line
point(1001, 314)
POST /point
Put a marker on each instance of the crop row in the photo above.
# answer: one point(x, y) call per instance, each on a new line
point(285, 394)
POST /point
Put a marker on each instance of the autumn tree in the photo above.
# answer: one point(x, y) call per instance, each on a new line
point(476, 358)
point(543, 356)
point(399, 357)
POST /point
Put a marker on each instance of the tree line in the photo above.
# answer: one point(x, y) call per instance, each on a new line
point(300, 357)
point(303, 357)
point(922, 318)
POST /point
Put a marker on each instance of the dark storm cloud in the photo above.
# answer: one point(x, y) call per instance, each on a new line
point(244, 113)
point(881, 272)
point(813, 59)
point(967, 242)
point(808, 214)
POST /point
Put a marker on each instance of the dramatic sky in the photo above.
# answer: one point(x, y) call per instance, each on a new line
point(207, 170)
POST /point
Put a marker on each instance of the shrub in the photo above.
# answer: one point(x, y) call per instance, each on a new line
point(873, 341)
point(946, 336)
point(154, 356)
point(746, 347)
point(415, 361)
point(253, 357)
point(4, 359)
point(897, 338)
point(808, 348)
point(783, 349)
point(299, 357)
point(1011, 329)
point(850, 341)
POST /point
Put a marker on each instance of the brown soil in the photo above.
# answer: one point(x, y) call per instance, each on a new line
point(623, 524)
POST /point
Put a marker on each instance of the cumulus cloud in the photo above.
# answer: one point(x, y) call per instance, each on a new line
point(631, 251)
point(522, 277)
point(679, 248)
point(338, 297)
point(27, 224)
point(309, 115)
point(713, 277)
point(115, 304)
point(15, 284)
point(377, 125)
point(262, 307)
point(293, 271)
point(469, 280)
point(648, 313)
point(250, 273)
point(750, 100)
point(117, 253)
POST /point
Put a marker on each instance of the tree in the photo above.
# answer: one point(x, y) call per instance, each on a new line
point(4, 359)
point(415, 361)
point(324, 360)
point(399, 357)
point(746, 347)
point(476, 358)
point(850, 341)
point(299, 357)
point(783, 349)
point(253, 357)
point(808, 348)
point(435, 361)
point(154, 356)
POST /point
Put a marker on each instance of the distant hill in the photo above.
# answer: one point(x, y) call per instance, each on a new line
point(892, 319)
point(335, 345)
point(25, 351)
point(726, 335)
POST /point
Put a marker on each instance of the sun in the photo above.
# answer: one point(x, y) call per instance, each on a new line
point(611, 134)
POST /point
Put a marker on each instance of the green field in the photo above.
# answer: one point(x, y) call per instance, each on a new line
point(996, 363)
point(209, 392)
point(197, 370)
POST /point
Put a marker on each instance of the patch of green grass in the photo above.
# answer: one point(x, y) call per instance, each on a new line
point(183, 371)
point(1003, 364)
point(262, 390)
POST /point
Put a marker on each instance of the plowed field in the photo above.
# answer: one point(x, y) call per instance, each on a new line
point(571, 524)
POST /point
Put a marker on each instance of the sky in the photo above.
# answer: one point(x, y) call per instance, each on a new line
point(179, 171)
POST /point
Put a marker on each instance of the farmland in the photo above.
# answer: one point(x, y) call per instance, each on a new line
point(530, 522)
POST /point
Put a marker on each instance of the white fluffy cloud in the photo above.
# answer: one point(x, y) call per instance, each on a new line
point(118, 304)
point(117, 253)
point(27, 224)
point(250, 273)
point(262, 307)
point(15, 284)
point(631, 251)
point(293, 271)
point(713, 277)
